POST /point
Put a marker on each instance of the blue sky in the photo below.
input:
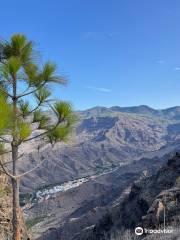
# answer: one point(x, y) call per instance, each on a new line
point(115, 52)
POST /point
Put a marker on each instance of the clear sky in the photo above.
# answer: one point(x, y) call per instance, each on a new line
point(115, 52)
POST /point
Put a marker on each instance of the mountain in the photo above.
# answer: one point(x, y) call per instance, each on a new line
point(80, 181)
point(142, 109)
point(65, 215)
point(172, 113)
point(144, 206)
point(104, 138)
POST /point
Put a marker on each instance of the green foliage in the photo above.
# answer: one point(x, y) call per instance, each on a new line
point(12, 66)
point(60, 133)
point(24, 107)
point(64, 113)
point(3, 86)
point(31, 72)
point(17, 64)
point(66, 118)
point(5, 114)
point(19, 47)
point(63, 110)
point(37, 116)
point(71, 119)
point(42, 119)
point(48, 71)
point(42, 95)
point(44, 122)
point(48, 74)
point(39, 77)
point(23, 130)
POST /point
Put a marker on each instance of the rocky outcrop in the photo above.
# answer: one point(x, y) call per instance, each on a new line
point(165, 209)
point(149, 199)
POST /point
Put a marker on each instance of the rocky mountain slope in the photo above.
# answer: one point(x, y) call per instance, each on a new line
point(144, 206)
point(104, 138)
point(111, 148)
point(64, 215)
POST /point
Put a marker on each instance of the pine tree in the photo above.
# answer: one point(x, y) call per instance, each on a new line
point(24, 102)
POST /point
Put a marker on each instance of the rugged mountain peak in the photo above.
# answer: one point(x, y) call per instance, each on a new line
point(141, 109)
point(172, 113)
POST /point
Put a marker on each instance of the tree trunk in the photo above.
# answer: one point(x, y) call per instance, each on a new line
point(16, 210)
point(16, 207)
point(15, 180)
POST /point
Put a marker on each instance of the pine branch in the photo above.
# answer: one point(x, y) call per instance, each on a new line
point(25, 91)
point(31, 92)
point(33, 169)
point(4, 140)
point(10, 162)
point(31, 111)
point(42, 134)
point(6, 93)
point(6, 171)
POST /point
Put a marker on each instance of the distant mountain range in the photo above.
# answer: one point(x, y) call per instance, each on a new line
point(116, 145)
point(168, 113)
point(105, 138)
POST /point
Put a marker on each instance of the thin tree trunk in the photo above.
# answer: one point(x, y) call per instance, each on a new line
point(15, 180)
point(16, 210)
point(16, 207)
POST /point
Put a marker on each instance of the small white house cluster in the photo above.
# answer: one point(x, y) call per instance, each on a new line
point(46, 193)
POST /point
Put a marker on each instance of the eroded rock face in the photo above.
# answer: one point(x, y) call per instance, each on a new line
point(166, 207)
point(145, 204)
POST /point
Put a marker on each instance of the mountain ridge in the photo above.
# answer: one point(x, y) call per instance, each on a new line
point(170, 112)
point(104, 139)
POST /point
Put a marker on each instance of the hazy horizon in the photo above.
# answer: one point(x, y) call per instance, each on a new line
point(98, 106)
